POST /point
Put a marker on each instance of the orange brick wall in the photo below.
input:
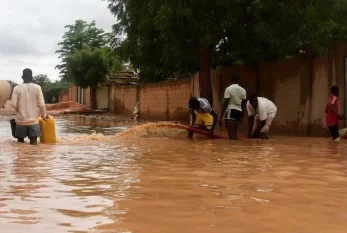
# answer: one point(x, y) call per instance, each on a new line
point(178, 96)
point(124, 99)
point(158, 101)
point(64, 96)
point(165, 101)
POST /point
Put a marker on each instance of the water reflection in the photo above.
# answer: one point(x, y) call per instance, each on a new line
point(23, 183)
point(87, 125)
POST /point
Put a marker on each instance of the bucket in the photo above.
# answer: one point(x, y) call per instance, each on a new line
point(13, 127)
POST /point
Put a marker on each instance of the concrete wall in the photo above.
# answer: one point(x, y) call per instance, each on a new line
point(111, 100)
point(320, 94)
point(102, 97)
point(337, 72)
point(86, 97)
point(285, 83)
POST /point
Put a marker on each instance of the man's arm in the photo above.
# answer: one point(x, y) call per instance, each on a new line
point(251, 121)
point(332, 108)
point(193, 118)
point(41, 103)
point(251, 118)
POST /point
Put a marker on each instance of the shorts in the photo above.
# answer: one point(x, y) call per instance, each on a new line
point(334, 131)
point(31, 131)
point(205, 119)
point(233, 115)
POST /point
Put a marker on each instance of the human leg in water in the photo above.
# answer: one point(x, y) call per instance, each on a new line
point(21, 140)
point(33, 141)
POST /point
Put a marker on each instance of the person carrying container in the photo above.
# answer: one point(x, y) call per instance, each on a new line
point(27, 98)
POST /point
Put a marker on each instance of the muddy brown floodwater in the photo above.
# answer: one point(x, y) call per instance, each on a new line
point(170, 185)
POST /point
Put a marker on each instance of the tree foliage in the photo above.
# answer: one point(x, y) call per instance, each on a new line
point(76, 37)
point(90, 66)
point(41, 80)
point(52, 91)
point(165, 38)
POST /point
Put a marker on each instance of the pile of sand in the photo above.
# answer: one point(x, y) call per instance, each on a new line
point(70, 105)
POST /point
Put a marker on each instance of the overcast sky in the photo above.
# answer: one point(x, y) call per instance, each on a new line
point(31, 29)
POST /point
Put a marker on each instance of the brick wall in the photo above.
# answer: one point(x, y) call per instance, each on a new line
point(64, 96)
point(158, 101)
point(178, 95)
point(124, 99)
point(165, 101)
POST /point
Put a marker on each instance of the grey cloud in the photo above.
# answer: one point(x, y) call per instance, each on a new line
point(34, 28)
point(13, 45)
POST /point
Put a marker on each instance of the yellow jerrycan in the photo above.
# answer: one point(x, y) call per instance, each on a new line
point(47, 128)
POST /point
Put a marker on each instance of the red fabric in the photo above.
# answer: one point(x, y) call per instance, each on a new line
point(331, 118)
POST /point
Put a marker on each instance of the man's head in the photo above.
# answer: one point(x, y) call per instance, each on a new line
point(335, 90)
point(194, 103)
point(235, 79)
point(27, 75)
point(253, 100)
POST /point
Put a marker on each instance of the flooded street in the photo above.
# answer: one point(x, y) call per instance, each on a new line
point(170, 185)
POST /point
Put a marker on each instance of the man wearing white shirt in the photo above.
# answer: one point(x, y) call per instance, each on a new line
point(261, 112)
point(27, 99)
point(233, 107)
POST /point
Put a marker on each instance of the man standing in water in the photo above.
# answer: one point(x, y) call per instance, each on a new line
point(233, 107)
point(202, 115)
point(261, 112)
point(332, 113)
point(27, 98)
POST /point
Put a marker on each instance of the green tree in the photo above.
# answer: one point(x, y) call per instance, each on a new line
point(77, 36)
point(90, 66)
point(42, 80)
point(165, 38)
point(52, 91)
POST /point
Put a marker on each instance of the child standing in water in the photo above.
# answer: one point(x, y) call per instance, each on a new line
point(332, 113)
